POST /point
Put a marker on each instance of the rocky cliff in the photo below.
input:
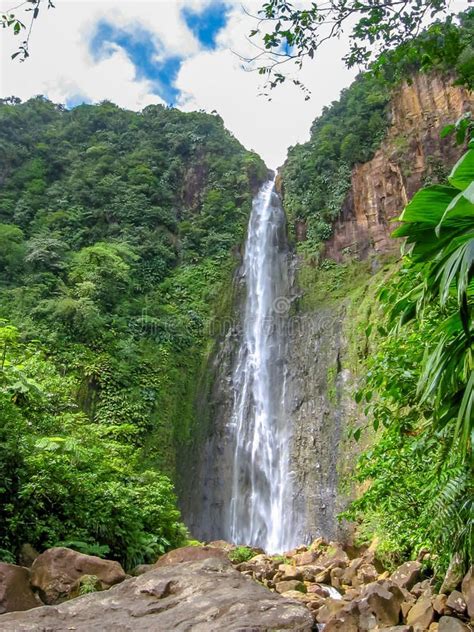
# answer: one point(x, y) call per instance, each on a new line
point(412, 154)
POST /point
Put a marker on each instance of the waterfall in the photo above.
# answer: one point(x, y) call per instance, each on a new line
point(260, 508)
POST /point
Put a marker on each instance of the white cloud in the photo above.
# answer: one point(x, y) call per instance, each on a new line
point(62, 68)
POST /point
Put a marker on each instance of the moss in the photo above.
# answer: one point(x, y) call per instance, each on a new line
point(241, 554)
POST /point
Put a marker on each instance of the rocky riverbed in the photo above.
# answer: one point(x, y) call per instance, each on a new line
point(324, 586)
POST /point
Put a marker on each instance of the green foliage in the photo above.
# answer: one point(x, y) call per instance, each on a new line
point(241, 554)
point(317, 174)
point(418, 389)
point(66, 480)
point(117, 232)
point(382, 36)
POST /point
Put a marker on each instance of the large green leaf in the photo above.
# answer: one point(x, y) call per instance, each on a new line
point(462, 174)
point(429, 205)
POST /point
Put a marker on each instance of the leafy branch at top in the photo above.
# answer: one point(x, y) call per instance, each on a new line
point(9, 20)
point(287, 36)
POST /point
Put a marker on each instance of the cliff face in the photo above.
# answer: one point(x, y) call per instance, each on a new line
point(412, 154)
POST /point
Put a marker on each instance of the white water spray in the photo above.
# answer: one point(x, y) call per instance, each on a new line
point(260, 509)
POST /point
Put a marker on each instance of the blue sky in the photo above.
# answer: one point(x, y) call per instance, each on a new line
point(151, 59)
point(176, 52)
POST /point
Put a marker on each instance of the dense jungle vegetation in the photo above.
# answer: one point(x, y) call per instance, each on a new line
point(316, 174)
point(116, 230)
point(416, 387)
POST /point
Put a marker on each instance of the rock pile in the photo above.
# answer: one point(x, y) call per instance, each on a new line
point(355, 594)
point(322, 586)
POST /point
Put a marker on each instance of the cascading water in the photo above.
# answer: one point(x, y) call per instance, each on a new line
point(260, 507)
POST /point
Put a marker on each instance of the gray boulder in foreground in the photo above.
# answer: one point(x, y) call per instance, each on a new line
point(202, 596)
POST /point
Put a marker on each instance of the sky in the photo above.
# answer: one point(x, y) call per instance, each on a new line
point(183, 53)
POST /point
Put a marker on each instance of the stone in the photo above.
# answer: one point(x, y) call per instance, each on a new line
point(467, 588)
point(141, 568)
point(396, 628)
point(343, 622)
point(330, 608)
point(407, 575)
point(189, 554)
point(366, 574)
point(335, 577)
point(300, 596)
point(454, 575)
point(288, 571)
point(456, 602)
point(261, 566)
point(203, 596)
point(306, 558)
point(450, 624)
point(54, 572)
point(433, 627)
point(222, 544)
point(422, 614)
point(421, 587)
point(334, 555)
point(380, 601)
point(291, 584)
point(439, 603)
point(15, 589)
point(318, 544)
point(317, 589)
point(309, 573)
point(28, 555)
point(351, 571)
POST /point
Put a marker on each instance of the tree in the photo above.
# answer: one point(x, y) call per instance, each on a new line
point(9, 20)
point(376, 27)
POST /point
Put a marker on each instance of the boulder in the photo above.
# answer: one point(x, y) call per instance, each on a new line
point(380, 602)
point(317, 589)
point(407, 575)
point(467, 588)
point(15, 589)
point(190, 554)
point(330, 608)
point(439, 604)
point(222, 544)
point(454, 575)
point(141, 568)
point(288, 571)
point(54, 572)
point(291, 584)
point(309, 573)
point(422, 614)
point(334, 556)
point(450, 624)
point(456, 603)
point(421, 588)
point(203, 596)
point(366, 574)
point(335, 577)
point(345, 621)
point(306, 558)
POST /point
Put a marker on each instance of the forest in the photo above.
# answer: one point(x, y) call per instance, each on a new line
point(124, 241)
point(116, 230)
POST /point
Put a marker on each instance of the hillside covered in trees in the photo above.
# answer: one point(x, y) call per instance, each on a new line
point(116, 235)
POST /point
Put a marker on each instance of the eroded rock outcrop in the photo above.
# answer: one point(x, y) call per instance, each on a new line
point(55, 572)
point(15, 589)
point(204, 596)
point(409, 157)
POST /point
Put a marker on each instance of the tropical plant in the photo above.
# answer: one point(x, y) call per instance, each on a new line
point(438, 227)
